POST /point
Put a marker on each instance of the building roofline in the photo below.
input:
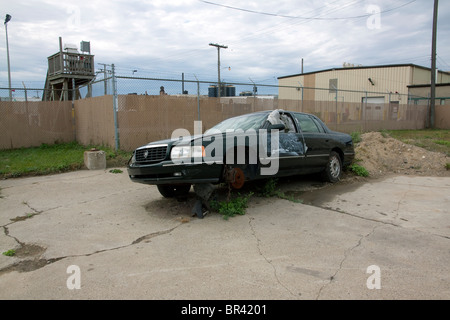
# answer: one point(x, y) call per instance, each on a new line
point(429, 85)
point(361, 67)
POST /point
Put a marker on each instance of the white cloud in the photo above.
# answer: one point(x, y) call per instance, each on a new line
point(168, 37)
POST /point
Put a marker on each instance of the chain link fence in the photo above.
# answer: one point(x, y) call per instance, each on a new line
point(126, 112)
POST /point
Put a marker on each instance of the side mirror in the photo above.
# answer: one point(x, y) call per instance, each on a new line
point(278, 126)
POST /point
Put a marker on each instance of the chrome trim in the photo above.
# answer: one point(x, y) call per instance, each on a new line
point(152, 146)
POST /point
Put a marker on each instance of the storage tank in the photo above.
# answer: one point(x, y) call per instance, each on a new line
point(212, 91)
point(230, 91)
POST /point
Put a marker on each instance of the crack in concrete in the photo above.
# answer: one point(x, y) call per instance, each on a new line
point(346, 254)
point(28, 265)
point(376, 220)
point(399, 202)
point(258, 241)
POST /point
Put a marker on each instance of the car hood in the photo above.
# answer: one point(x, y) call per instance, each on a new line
point(170, 142)
point(188, 140)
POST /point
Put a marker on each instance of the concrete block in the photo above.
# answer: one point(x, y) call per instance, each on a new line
point(95, 159)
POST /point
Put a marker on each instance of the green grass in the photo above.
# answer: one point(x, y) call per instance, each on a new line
point(437, 140)
point(232, 207)
point(356, 137)
point(359, 170)
point(48, 159)
point(9, 253)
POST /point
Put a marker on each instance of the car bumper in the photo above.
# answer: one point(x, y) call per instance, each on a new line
point(167, 172)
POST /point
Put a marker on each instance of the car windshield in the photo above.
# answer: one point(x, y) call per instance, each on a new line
point(246, 122)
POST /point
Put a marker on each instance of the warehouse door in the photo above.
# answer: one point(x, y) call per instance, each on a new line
point(374, 108)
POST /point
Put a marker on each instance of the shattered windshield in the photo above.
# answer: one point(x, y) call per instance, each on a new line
point(246, 122)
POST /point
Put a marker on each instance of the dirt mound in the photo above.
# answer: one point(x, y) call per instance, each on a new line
point(383, 155)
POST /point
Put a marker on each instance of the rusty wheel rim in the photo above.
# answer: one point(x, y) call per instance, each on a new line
point(239, 178)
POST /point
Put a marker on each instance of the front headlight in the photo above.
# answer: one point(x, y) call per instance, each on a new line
point(185, 152)
point(133, 158)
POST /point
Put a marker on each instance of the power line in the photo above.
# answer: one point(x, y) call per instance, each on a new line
point(300, 17)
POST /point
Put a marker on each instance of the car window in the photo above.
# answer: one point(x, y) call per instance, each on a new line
point(306, 123)
point(319, 125)
point(288, 122)
point(245, 122)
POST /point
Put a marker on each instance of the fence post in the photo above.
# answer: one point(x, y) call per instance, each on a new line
point(198, 98)
point(365, 114)
point(115, 98)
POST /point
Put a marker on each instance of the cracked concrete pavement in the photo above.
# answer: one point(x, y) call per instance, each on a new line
point(130, 243)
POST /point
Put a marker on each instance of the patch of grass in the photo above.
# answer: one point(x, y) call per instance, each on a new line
point(9, 253)
point(442, 142)
point(270, 190)
point(437, 140)
point(48, 159)
point(359, 170)
point(384, 133)
point(356, 136)
point(447, 166)
point(232, 207)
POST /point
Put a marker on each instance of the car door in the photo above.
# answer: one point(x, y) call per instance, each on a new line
point(317, 141)
point(291, 145)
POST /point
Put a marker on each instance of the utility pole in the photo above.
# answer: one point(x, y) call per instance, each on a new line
point(104, 76)
point(218, 63)
point(433, 65)
point(7, 19)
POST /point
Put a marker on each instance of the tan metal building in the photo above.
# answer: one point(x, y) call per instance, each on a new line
point(420, 93)
point(372, 84)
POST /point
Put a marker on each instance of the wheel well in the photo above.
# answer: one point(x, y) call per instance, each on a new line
point(340, 153)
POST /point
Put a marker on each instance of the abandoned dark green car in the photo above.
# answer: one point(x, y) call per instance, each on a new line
point(248, 147)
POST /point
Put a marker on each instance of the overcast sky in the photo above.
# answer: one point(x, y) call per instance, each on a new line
point(265, 39)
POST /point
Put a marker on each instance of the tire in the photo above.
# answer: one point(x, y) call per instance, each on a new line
point(173, 190)
point(333, 169)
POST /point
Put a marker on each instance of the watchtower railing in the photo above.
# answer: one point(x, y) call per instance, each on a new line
point(71, 64)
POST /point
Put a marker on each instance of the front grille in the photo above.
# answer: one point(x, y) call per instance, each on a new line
point(151, 154)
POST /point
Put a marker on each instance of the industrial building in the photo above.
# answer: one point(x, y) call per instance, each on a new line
point(396, 83)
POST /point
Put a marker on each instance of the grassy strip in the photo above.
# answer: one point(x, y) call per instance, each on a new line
point(48, 159)
point(437, 140)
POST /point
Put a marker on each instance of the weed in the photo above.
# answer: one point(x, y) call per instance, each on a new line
point(384, 133)
point(268, 190)
point(359, 170)
point(282, 195)
point(231, 207)
point(447, 166)
point(356, 136)
point(115, 171)
point(9, 253)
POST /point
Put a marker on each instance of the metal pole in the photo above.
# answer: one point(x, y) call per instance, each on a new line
point(433, 64)
point(8, 17)
point(115, 98)
point(336, 109)
point(198, 98)
point(25, 88)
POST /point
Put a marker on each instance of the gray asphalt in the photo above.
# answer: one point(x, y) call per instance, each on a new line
point(97, 235)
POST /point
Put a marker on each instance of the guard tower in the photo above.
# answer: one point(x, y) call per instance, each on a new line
point(67, 70)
